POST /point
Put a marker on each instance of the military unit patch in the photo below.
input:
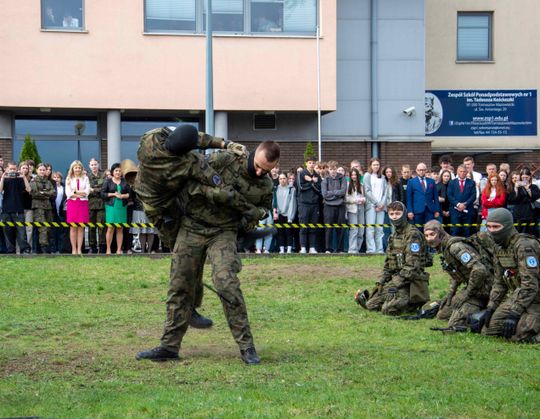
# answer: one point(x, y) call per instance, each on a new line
point(465, 257)
point(532, 262)
point(217, 180)
point(415, 247)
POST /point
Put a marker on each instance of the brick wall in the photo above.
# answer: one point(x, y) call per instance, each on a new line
point(516, 160)
point(392, 153)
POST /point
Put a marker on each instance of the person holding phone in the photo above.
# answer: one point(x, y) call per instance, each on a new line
point(522, 194)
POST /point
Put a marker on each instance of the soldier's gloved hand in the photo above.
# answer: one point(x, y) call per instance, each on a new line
point(391, 293)
point(510, 324)
point(254, 214)
point(380, 286)
point(220, 196)
point(236, 148)
point(485, 319)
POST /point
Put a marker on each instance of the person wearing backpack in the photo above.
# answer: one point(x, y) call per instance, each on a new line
point(468, 261)
point(513, 310)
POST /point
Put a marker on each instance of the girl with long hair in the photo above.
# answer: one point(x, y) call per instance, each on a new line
point(493, 196)
point(375, 188)
point(77, 190)
point(354, 203)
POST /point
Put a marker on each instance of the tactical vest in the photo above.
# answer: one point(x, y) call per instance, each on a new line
point(397, 245)
point(508, 262)
point(481, 244)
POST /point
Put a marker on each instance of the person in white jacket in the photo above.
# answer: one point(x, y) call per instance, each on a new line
point(77, 190)
point(375, 189)
point(355, 206)
point(284, 212)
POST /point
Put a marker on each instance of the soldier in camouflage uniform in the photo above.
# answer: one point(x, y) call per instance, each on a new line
point(211, 230)
point(42, 192)
point(403, 285)
point(167, 162)
point(96, 208)
point(466, 264)
point(513, 310)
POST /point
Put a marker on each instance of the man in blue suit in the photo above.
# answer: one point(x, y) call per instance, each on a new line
point(461, 196)
point(422, 197)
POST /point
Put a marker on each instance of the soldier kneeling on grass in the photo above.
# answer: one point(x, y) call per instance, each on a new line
point(513, 310)
point(468, 261)
point(403, 285)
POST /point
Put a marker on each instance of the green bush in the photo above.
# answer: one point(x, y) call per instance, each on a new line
point(29, 150)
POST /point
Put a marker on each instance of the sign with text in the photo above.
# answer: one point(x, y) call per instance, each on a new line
point(473, 113)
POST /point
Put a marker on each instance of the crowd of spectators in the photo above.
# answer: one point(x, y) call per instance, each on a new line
point(316, 193)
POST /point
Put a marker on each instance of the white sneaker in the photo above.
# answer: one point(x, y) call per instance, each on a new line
point(281, 250)
point(312, 250)
point(328, 252)
point(266, 252)
point(258, 251)
point(289, 249)
point(303, 250)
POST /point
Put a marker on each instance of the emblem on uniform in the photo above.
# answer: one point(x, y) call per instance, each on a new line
point(465, 257)
point(532, 262)
point(415, 247)
point(216, 179)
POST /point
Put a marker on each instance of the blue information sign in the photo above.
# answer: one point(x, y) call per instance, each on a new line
point(472, 113)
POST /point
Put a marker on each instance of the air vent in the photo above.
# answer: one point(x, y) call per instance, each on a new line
point(262, 121)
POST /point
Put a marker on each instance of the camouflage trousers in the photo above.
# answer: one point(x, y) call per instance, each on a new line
point(457, 316)
point(189, 253)
point(40, 216)
point(392, 304)
point(528, 327)
point(96, 216)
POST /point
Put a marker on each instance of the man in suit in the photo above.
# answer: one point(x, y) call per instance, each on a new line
point(461, 196)
point(422, 197)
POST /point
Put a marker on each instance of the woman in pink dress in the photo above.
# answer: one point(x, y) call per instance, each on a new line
point(77, 190)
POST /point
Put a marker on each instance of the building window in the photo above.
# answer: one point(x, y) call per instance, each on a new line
point(294, 17)
point(66, 15)
point(169, 15)
point(227, 15)
point(474, 41)
point(289, 16)
point(59, 141)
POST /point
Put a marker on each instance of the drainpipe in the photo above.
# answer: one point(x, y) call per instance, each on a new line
point(374, 79)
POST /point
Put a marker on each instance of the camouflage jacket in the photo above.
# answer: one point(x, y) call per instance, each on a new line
point(517, 272)
point(94, 198)
point(465, 265)
point(200, 214)
point(42, 192)
point(406, 255)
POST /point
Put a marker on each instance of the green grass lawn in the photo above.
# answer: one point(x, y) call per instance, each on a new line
point(70, 329)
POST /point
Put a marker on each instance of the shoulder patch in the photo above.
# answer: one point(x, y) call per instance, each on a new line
point(465, 257)
point(415, 247)
point(532, 262)
point(216, 179)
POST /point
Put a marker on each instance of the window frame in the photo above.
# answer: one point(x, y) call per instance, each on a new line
point(80, 29)
point(489, 58)
point(247, 17)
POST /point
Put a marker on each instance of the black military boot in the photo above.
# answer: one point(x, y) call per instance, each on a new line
point(249, 356)
point(200, 322)
point(157, 354)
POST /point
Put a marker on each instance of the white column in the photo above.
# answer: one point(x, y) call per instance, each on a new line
point(113, 137)
point(221, 125)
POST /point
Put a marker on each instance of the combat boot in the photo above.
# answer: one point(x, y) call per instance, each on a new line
point(157, 354)
point(200, 322)
point(249, 356)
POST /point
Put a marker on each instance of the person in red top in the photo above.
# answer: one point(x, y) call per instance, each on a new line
point(493, 196)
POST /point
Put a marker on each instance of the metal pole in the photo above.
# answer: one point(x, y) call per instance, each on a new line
point(209, 116)
point(319, 140)
point(374, 79)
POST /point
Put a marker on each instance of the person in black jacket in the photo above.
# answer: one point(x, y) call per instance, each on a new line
point(58, 235)
point(442, 190)
point(309, 194)
point(115, 192)
point(522, 195)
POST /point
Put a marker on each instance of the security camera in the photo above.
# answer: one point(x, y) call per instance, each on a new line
point(409, 111)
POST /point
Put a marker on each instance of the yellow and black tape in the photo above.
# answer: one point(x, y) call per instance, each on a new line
point(150, 225)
